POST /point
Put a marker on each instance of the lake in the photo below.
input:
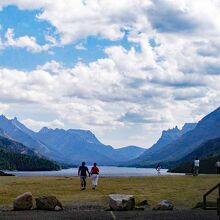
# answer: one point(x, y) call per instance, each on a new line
point(104, 171)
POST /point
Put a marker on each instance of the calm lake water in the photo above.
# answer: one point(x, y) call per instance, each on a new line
point(104, 171)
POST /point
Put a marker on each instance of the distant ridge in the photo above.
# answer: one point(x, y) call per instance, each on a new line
point(208, 153)
point(207, 128)
point(168, 136)
point(66, 146)
point(16, 156)
point(130, 152)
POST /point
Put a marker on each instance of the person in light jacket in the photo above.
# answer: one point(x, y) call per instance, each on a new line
point(196, 167)
point(217, 167)
point(95, 175)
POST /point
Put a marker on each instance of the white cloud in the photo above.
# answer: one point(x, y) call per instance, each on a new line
point(107, 95)
point(109, 19)
point(3, 108)
point(37, 125)
point(80, 46)
point(27, 42)
point(80, 19)
point(170, 75)
point(52, 66)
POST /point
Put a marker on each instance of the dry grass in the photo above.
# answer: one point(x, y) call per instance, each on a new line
point(184, 191)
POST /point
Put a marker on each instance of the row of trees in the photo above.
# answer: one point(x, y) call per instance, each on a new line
point(10, 160)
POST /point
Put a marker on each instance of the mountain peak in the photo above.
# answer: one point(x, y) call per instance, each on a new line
point(188, 127)
point(3, 117)
point(15, 119)
point(44, 129)
point(170, 131)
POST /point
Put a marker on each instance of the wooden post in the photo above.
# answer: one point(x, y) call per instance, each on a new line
point(218, 207)
point(219, 190)
point(218, 201)
point(204, 202)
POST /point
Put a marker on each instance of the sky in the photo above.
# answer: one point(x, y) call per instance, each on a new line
point(126, 70)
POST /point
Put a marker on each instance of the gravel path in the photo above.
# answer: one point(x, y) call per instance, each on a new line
point(95, 212)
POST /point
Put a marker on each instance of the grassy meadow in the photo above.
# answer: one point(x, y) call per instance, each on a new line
point(183, 191)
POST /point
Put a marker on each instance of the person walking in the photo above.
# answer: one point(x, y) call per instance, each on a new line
point(95, 175)
point(217, 167)
point(158, 167)
point(82, 172)
point(196, 167)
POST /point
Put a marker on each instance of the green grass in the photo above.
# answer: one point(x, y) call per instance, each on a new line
point(184, 191)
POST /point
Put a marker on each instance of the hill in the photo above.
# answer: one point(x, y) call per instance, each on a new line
point(149, 156)
point(208, 153)
point(207, 128)
point(207, 165)
point(15, 161)
point(15, 156)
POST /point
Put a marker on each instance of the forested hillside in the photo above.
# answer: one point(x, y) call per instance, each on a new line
point(15, 161)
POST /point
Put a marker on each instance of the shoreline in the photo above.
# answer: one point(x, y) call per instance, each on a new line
point(108, 171)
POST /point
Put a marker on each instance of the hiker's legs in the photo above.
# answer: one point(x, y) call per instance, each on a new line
point(83, 181)
point(94, 180)
point(196, 171)
point(158, 172)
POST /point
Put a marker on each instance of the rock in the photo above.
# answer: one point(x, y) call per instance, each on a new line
point(48, 203)
point(119, 202)
point(23, 202)
point(164, 205)
point(58, 208)
point(143, 203)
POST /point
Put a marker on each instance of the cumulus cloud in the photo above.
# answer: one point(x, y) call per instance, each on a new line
point(79, 19)
point(3, 108)
point(80, 46)
point(27, 42)
point(167, 76)
point(36, 125)
point(142, 118)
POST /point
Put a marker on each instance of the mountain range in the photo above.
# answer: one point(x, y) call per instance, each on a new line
point(174, 148)
point(175, 144)
point(66, 146)
point(168, 137)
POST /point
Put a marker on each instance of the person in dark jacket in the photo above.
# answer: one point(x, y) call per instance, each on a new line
point(82, 172)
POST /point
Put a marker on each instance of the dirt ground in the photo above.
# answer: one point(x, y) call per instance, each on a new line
point(95, 212)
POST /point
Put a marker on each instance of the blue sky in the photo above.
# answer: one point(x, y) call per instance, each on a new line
point(126, 70)
point(24, 22)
